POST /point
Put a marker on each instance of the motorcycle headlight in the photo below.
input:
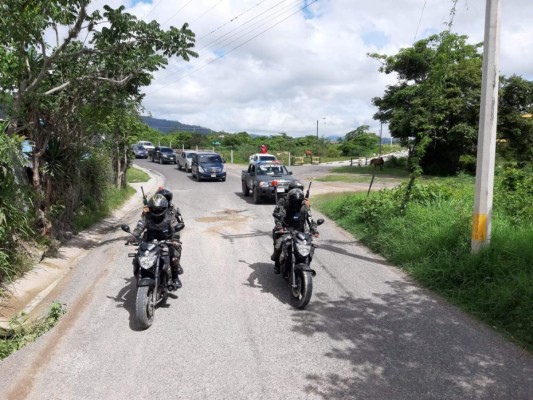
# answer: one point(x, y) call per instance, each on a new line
point(303, 248)
point(147, 261)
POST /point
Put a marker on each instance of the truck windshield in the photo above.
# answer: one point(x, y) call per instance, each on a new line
point(210, 158)
point(270, 170)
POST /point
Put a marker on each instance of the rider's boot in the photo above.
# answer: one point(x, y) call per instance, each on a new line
point(174, 269)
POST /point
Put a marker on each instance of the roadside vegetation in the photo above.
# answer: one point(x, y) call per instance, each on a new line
point(22, 331)
point(430, 240)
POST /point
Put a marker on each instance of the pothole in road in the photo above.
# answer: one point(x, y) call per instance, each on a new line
point(225, 215)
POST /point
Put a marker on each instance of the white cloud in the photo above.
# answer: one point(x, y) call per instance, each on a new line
point(310, 66)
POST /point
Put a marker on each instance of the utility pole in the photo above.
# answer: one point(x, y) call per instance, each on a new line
point(317, 129)
point(486, 147)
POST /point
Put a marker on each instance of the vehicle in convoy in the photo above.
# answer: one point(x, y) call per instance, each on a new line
point(185, 160)
point(146, 144)
point(206, 165)
point(151, 268)
point(258, 178)
point(139, 151)
point(295, 264)
point(262, 157)
point(163, 155)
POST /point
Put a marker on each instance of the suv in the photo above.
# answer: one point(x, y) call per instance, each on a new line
point(206, 165)
point(163, 155)
point(139, 151)
point(185, 160)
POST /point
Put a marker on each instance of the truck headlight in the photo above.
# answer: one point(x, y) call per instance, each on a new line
point(263, 184)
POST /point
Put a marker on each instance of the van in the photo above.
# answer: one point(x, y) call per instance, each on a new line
point(146, 144)
point(207, 165)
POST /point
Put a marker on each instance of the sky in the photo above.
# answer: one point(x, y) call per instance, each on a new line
point(301, 66)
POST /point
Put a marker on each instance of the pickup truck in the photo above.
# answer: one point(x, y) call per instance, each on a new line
point(163, 155)
point(257, 180)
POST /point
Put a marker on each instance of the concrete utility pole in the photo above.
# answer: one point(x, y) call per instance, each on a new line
point(317, 129)
point(486, 148)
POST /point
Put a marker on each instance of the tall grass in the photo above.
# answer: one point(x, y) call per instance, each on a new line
point(431, 241)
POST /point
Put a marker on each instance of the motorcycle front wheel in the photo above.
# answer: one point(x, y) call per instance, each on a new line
point(303, 288)
point(144, 307)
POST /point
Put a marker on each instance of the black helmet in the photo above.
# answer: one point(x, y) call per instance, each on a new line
point(296, 185)
point(165, 192)
point(296, 197)
point(157, 205)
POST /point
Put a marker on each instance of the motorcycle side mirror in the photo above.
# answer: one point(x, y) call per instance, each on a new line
point(319, 221)
point(125, 228)
point(180, 226)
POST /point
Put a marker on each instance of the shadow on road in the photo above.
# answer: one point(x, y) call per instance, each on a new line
point(405, 345)
point(262, 277)
point(326, 245)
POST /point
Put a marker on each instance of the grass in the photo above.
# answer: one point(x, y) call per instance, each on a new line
point(93, 213)
point(135, 175)
point(351, 178)
point(21, 332)
point(430, 240)
point(370, 170)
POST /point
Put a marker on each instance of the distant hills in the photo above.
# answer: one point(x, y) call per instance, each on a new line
point(166, 126)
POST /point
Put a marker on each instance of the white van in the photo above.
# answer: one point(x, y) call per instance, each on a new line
point(147, 145)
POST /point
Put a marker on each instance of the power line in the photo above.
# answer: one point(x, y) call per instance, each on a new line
point(420, 20)
point(244, 27)
point(176, 13)
point(206, 12)
point(231, 20)
point(238, 46)
point(240, 29)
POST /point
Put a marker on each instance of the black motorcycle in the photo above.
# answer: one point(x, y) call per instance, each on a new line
point(152, 271)
point(295, 264)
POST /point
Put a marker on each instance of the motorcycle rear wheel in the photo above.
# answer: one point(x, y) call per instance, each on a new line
point(301, 294)
point(144, 307)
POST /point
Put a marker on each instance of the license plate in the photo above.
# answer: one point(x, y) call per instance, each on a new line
point(280, 190)
point(213, 175)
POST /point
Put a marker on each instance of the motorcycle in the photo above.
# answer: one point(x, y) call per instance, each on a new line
point(295, 264)
point(152, 271)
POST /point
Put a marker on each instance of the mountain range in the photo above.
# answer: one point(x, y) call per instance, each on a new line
point(166, 126)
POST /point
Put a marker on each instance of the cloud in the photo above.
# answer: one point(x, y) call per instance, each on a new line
point(269, 66)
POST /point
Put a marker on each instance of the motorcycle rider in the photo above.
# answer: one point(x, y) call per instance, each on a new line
point(174, 208)
point(291, 212)
point(159, 222)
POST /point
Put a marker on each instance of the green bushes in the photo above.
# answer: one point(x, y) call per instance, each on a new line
point(430, 239)
point(15, 203)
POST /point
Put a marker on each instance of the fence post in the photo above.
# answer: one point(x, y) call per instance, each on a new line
point(231, 157)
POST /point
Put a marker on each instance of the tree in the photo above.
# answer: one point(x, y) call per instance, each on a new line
point(360, 142)
point(434, 107)
point(515, 133)
point(52, 86)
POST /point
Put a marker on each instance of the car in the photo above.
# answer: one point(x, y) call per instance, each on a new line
point(146, 144)
point(185, 160)
point(262, 157)
point(207, 165)
point(139, 151)
point(163, 155)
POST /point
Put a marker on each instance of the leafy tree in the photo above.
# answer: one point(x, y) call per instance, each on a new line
point(514, 131)
point(55, 88)
point(360, 142)
point(434, 107)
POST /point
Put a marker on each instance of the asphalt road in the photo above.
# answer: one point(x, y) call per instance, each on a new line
point(231, 333)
